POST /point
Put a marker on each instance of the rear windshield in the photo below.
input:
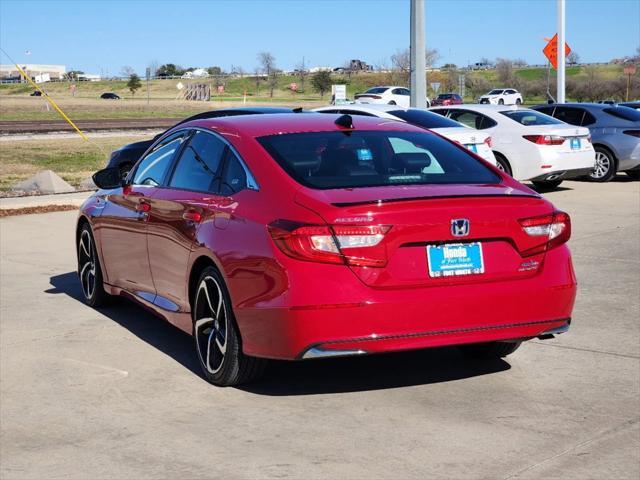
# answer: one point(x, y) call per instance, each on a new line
point(377, 90)
point(495, 92)
point(324, 160)
point(531, 117)
point(625, 113)
point(445, 96)
point(424, 119)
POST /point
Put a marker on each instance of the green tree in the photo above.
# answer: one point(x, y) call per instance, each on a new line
point(321, 82)
point(134, 83)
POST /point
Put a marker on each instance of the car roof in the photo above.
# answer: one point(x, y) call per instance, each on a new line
point(374, 108)
point(262, 125)
point(482, 107)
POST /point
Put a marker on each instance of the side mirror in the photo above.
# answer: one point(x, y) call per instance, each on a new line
point(108, 178)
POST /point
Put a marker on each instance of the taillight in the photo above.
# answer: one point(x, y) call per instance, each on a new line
point(633, 133)
point(341, 244)
point(553, 230)
point(545, 139)
point(488, 141)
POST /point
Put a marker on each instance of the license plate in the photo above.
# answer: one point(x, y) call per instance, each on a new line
point(472, 147)
point(575, 144)
point(455, 259)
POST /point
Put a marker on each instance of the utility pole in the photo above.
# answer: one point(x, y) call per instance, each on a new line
point(418, 59)
point(561, 48)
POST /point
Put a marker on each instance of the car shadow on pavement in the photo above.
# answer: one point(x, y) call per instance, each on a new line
point(313, 377)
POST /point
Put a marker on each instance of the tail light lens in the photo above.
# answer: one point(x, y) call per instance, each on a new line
point(552, 230)
point(488, 141)
point(545, 139)
point(633, 133)
point(356, 245)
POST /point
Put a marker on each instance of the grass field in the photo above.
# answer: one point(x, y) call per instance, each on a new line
point(71, 158)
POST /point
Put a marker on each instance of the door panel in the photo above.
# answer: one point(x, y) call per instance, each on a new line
point(122, 231)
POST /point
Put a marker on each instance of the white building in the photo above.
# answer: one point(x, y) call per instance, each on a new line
point(55, 72)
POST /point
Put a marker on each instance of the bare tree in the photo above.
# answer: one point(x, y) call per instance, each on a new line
point(519, 62)
point(267, 62)
point(573, 58)
point(302, 73)
point(431, 57)
point(272, 80)
point(258, 79)
point(127, 71)
point(504, 69)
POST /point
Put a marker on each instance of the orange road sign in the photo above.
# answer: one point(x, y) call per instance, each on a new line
point(551, 51)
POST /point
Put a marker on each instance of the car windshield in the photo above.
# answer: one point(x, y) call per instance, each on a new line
point(357, 159)
point(424, 119)
point(531, 117)
point(377, 90)
point(495, 92)
point(625, 113)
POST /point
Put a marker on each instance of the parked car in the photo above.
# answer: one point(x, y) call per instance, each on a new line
point(502, 96)
point(634, 105)
point(36, 93)
point(110, 96)
point(471, 138)
point(447, 99)
point(125, 157)
point(390, 95)
point(310, 236)
point(615, 134)
point(529, 145)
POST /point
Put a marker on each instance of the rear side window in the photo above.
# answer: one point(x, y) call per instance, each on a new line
point(472, 119)
point(569, 115)
point(325, 160)
point(377, 90)
point(530, 117)
point(625, 113)
point(198, 165)
point(424, 119)
point(234, 177)
point(153, 168)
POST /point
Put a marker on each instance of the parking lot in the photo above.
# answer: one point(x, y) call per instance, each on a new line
point(117, 393)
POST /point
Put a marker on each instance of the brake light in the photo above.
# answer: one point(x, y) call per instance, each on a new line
point(488, 141)
point(545, 139)
point(553, 230)
point(340, 244)
point(633, 133)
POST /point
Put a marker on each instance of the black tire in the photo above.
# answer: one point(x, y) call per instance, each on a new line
point(501, 102)
point(223, 363)
point(634, 174)
point(489, 350)
point(392, 102)
point(546, 185)
point(503, 164)
point(89, 270)
point(606, 166)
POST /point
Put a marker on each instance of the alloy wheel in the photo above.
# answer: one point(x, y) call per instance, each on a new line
point(210, 325)
point(87, 264)
point(602, 167)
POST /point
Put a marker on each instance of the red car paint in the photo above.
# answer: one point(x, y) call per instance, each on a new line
point(150, 239)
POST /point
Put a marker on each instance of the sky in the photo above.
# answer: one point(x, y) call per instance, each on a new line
point(101, 37)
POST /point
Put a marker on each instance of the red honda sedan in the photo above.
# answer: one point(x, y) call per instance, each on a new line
point(298, 236)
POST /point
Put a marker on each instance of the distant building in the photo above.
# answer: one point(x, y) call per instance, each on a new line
point(196, 73)
point(319, 69)
point(54, 72)
point(88, 77)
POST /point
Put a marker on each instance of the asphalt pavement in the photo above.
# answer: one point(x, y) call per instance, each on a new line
point(117, 393)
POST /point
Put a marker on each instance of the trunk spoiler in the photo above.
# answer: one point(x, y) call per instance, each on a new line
point(429, 197)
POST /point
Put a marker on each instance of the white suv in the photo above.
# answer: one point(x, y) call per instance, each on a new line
point(502, 96)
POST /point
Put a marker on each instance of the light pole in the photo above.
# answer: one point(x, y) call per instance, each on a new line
point(418, 59)
point(561, 49)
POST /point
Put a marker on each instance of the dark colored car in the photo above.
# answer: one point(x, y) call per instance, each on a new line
point(110, 96)
point(36, 93)
point(634, 105)
point(615, 135)
point(125, 157)
point(300, 237)
point(447, 99)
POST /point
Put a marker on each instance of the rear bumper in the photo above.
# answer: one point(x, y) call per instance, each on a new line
point(563, 174)
point(369, 320)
